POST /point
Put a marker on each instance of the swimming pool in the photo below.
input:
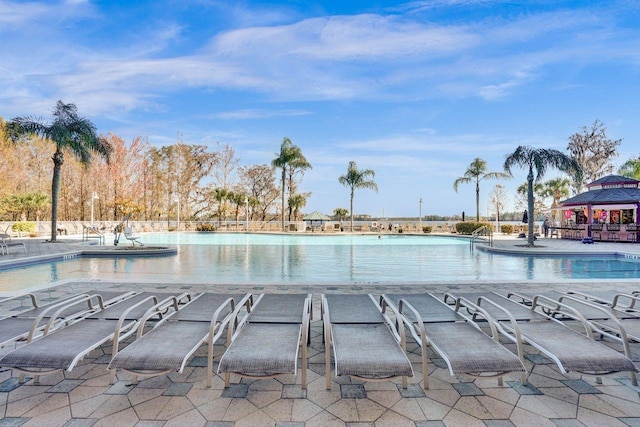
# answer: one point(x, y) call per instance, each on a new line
point(307, 259)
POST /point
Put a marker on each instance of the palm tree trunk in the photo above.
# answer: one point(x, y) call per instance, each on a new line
point(351, 207)
point(530, 236)
point(477, 202)
point(284, 177)
point(55, 189)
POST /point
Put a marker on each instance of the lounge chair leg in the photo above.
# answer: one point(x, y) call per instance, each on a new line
point(227, 379)
point(500, 382)
point(112, 376)
point(634, 379)
point(523, 378)
point(327, 357)
point(404, 383)
point(210, 363)
point(425, 369)
point(598, 380)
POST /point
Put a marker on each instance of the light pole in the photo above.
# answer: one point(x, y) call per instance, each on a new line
point(177, 200)
point(420, 215)
point(93, 197)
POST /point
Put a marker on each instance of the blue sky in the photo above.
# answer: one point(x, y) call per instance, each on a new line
point(413, 90)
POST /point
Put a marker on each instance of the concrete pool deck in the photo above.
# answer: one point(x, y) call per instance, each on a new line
point(84, 398)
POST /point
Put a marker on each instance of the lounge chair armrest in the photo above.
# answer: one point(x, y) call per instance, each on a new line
point(563, 309)
point(513, 331)
point(123, 317)
point(410, 315)
point(521, 298)
point(32, 297)
point(236, 325)
point(476, 311)
point(399, 331)
point(61, 307)
point(633, 299)
point(159, 309)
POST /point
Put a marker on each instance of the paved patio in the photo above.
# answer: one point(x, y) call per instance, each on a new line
point(84, 398)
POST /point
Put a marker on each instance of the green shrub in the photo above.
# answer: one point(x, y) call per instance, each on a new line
point(427, 228)
point(206, 227)
point(24, 227)
point(469, 227)
point(507, 228)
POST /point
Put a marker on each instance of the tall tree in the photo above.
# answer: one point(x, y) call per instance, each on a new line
point(593, 151)
point(289, 157)
point(630, 168)
point(355, 179)
point(260, 183)
point(297, 166)
point(498, 200)
point(476, 172)
point(538, 160)
point(70, 133)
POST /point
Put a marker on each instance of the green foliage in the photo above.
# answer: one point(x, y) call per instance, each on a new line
point(206, 227)
point(24, 227)
point(469, 227)
point(506, 228)
point(427, 228)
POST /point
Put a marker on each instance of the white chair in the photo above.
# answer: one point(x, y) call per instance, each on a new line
point(128, 234)
point(6, 242)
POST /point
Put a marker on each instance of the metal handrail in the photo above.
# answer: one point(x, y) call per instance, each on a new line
point(481, 231)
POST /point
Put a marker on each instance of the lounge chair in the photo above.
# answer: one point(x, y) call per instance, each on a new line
point(65, 347)
point(366, 344)
point(6, 242)
point(621, 325)
point(462, 344)
point(266, 341)
point(128, 234)
point(28, 324)
point(569, 349)
point(171, 343)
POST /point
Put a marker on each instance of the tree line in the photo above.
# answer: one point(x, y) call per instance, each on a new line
point(62, 169)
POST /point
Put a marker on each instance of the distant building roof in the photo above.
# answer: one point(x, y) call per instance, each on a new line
point(608, 190)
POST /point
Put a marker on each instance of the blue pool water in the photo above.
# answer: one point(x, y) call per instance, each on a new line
point(254, 258)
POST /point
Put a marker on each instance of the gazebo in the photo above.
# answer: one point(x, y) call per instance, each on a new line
point(613, 200)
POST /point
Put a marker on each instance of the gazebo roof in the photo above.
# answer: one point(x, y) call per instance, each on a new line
point(608, 190)
point(611, 181)
point(316, 216)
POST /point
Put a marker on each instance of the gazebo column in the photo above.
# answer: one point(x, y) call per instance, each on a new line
point(589, 220)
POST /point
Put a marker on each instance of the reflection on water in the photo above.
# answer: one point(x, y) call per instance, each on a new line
point(375, 260)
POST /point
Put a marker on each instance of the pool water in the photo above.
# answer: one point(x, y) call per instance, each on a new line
point(256, 258)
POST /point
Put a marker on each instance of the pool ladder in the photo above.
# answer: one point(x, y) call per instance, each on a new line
point(481, 231)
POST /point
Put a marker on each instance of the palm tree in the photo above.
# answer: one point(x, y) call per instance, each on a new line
point(70, 133)
point(476, 172)
point(221, 196)
point(289, 155)
point(296, 202)
point(557, 189)
point(358, 179)
point(340, 213)
point(539, 159)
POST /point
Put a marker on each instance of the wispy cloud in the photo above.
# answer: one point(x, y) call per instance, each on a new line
point(259, 114)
